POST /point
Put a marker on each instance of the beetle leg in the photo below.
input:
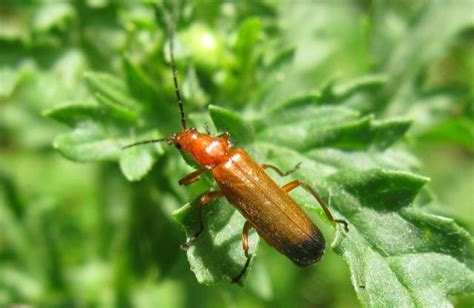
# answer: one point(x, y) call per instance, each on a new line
point(207, 128)
point(192, 177)
point(279, 171)
point(225, 136)
point(205, 199)
point(245, 246)
point(292, 185)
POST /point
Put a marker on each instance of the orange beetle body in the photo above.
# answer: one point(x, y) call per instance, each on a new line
point(267, 207)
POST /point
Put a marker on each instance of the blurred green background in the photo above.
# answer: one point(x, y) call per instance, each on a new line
point(80, 234)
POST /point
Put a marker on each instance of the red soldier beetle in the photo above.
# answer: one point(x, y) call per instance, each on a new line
point(267, 207)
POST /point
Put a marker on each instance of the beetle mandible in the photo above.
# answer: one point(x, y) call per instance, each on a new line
point(267, 207)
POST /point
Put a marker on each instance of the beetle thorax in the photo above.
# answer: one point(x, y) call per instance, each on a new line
point(208, 151)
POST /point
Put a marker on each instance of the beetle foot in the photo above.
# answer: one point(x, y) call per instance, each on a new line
point(188, 244)
point(191, 240)
point(342, 221)
point(237, 278)
point(185, 246)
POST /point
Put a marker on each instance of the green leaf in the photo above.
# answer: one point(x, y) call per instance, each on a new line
point(386, 132)
point(136, 162)
point(218, 253)
point(295, 102)
point(335, 127)
point(368, 83)
point(380, 189)
point(13, 200)
point(249, 32)
point(9, 79)
point(458, 131)
point(87, 143)
point(399, 255)
point(75, 113)
point(114, 92)
point(406, 61)
point(241, 78)
point(52, 15)
point(281, 58)
point(228, 121)
point(333, 92)
point(395, 159)
point(140, 85)
point(116, 109)
point(100, 130)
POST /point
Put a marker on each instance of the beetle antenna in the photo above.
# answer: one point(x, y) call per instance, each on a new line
point(169, 140)
point(171, 31)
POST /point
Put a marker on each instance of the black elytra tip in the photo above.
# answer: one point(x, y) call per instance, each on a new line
point(308, 251)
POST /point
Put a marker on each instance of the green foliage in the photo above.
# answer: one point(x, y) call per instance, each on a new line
point(354, 98)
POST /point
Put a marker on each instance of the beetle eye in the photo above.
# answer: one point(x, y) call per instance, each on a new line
point(178, 146)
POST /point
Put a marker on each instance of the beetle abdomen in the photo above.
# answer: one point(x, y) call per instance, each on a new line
point(307, 252)
point(271, 211)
